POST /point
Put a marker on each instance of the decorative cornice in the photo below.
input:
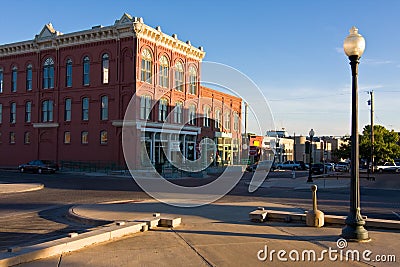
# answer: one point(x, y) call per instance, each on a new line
point(127, 26)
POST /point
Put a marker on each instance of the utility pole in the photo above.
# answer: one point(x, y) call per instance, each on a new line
point(371, 103)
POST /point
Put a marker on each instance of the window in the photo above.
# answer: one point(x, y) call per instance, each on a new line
point(162, 109)
point(28, 111)
point(1, 113)
point(1, 80)
point(192, 114)
point(178, 112)
point(103, 138)
point(164, 72)
point(48, 74)
point(1, 141)
point(104, 108)
point(145, 107)
point(218, 118)
point(84, 137)
point(192, 80)
point(14, 78)
point(27, 138)
point(68, 109)
point(68, 75)
point(227, 121)
point(86, 70)
point(12, 138)
point(47, 111)
point(235, 121)
point(105, 65)
point(147, 66)
point(179, 76)
point(67, 137)
point(13, 112)
point(207, 116)
point(85, 109)
point(29, 77)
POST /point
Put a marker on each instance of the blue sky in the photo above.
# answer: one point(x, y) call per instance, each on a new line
point(291, 49)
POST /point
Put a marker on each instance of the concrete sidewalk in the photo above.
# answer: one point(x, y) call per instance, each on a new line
point(218, 234)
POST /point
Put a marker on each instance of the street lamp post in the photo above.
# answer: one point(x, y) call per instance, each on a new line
point(354, 46)
point(310, 180)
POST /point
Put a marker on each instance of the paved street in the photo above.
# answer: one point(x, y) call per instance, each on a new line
point(29, 217)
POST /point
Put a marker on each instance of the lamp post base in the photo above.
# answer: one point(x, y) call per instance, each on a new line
point(355, 231)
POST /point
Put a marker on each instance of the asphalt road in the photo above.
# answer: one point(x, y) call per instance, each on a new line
point(40, 215)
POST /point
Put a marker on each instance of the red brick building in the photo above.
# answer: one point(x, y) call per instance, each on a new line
point(63, 97)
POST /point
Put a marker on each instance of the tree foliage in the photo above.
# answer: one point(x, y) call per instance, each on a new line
point(386, 147)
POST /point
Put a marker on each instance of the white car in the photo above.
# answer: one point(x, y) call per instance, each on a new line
point(388, 167)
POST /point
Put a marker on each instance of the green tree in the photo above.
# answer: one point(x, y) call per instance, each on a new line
point(386, 146)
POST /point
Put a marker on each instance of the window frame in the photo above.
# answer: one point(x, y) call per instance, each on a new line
point(27, 138)
point(164, 72)
point(178, 112)
point(1, 113)
point(105, 68)
point(47, 111)
point(84, 137)
point(146, 67)
point(28, 112)
point(1, 79)
point(104, 108)
point(145, 107)
point(162, 109)
point(13, 112)
point(12, 138)
point(193, 80)
point(103, 141)
point(67, 137)
point(179, 76)
point(48, 74)
point(192, 114)
point(207, 116)
point(68, 109)
point(84, 109)
point(68, 73)
point(86, 71)
point(14, 79)
point(29, 77)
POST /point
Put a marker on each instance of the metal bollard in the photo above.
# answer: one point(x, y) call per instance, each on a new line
point(314, 217)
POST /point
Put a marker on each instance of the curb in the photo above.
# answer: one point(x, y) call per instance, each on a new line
point(8, 188)
point(261, 215)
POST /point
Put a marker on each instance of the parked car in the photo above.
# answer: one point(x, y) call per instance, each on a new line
point(330, 167)
point(288, 165)
point(342, 167)
point(388, 167)
point(318, 168)
point(39, 166)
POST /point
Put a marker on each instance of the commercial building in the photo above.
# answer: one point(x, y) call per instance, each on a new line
point(64, 97)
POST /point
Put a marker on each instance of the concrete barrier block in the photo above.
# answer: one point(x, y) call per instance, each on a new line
point(152, 222)
point(258, 215)
point(170, 222)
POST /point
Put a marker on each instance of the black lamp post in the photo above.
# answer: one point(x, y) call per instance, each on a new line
point(354, 46)
point(310, 180)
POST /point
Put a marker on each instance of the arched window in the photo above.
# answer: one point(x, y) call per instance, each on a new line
point(192, 80)
point(178, 112)
point(105, 65)
point(192, 114)
point(14, 78)
point(147, 66)
point(145, 107)
point(48, 74)
point(179, 76)
point(162, 109)
point(207, 116)
point(68, 74)
point(29, 77)
point(47, 111)
point(164, 72)
point(86, 71)
point(27, 138)
point(218, 118)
